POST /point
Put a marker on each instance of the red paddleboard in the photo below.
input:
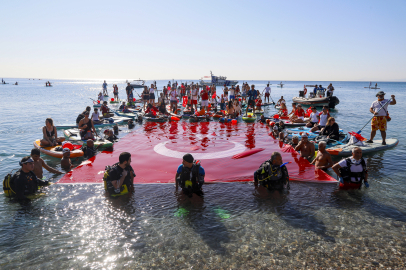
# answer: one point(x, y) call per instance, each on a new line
point(157, 150)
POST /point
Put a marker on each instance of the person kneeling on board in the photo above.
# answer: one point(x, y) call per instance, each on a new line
point(272, 174)
point(352, 171)
point(120, 176)
point(24, 182)
point(190, 176)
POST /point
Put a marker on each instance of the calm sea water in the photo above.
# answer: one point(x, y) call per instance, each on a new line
point(314, 225)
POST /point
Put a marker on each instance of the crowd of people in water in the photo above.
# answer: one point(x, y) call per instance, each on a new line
point(272, 174)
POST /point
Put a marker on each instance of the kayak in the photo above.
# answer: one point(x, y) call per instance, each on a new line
point(50, 151)
point(346, 150)
point(249, 118)
point(104, 123)
point(74, 135)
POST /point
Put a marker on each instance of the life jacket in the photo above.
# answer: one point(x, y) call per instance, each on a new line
point(108, 185)
point(272, 176)
point(189, 178)
point(347, 174)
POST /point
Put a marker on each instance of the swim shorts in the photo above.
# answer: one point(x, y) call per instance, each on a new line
point(205, 103)
point(378, 122)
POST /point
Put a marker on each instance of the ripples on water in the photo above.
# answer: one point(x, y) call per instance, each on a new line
point(235, 226)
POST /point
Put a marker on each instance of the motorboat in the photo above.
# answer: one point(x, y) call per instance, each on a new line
point(217, 81)
point(137, 83)
point(318, 100)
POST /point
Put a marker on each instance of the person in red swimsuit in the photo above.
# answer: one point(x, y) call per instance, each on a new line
point(299, 114)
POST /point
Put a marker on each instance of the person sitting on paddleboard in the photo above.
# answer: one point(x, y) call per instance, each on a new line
point(50, 134)
point(162, 108)
point(313, 118)
point(352, 171)
point(24, 182)
point(105, 110)
point(190, 176)
point(323, 117)
point(331, 130)
point(280, 101)
point(283, 111)
point(95, 116)
point(151, 111)
point(323, 159)
point(299, 113)
point(272, 174)
point(86, 127)
point(230, 110)
point(380, 118)
point(123, 108)
point(39, 163)
point(119, 174)
point(305, 147)
point(100, 97)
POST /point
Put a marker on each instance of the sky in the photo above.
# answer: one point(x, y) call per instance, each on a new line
point(251, 40)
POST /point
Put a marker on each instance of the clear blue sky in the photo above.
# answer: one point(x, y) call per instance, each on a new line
point(269, 40)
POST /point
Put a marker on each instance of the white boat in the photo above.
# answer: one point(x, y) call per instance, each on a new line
point(137, 83)
point(217, 81)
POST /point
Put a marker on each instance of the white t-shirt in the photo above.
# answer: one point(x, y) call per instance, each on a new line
point(232, 91)
point(95, 116)
point(267, 89)
point(101, 98)
point(323, 119)
point(173, 94)
point(355, 167)
point(376, 105)
point(194, 94)
point(151, 90)
point(313, 117)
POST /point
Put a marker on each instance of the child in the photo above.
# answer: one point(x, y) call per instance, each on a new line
point(95, 116)
point(66, 163)
point(89, 150)
point(259, 103)
point(39, 163)
point(110, 135)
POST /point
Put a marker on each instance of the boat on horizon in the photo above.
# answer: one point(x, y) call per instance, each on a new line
point(217, 81)
point(137, 83)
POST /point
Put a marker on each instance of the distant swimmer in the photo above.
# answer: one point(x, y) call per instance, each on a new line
point(190, 176)
point(381, 116)
point(272, 174)
point(24, 182)
point(120, 175)
point(352, 171)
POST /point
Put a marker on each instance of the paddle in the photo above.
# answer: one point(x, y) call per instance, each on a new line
point(359, 131)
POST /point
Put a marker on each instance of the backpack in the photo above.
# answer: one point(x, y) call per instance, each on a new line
point(8, 179)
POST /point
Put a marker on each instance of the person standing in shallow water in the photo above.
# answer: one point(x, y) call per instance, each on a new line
point(380, 118)
point(190, 176)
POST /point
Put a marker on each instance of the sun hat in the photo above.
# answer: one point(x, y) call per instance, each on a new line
point(380, 93)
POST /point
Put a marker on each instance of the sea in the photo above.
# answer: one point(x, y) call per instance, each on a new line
point(314, 226)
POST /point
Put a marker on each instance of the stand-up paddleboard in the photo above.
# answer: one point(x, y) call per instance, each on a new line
point(346, 150)
point(50, 151)
point(157, 150)
point(103, 123)
point(74, 135)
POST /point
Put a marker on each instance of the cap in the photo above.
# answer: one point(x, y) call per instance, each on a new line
point(65, 150)
point(304, 135)
point(188, 158)
point(380, 93)
point(27, 161)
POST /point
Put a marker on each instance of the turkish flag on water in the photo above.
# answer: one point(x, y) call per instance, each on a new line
point(157, 150)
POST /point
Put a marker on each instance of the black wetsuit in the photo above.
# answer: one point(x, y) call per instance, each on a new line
point(115, 174)
point(25, 184)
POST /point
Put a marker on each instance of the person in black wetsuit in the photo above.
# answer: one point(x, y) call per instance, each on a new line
point(119, 174)
point(190, 176)
point(24, 182)
point(331, 130)
point(86, 127)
